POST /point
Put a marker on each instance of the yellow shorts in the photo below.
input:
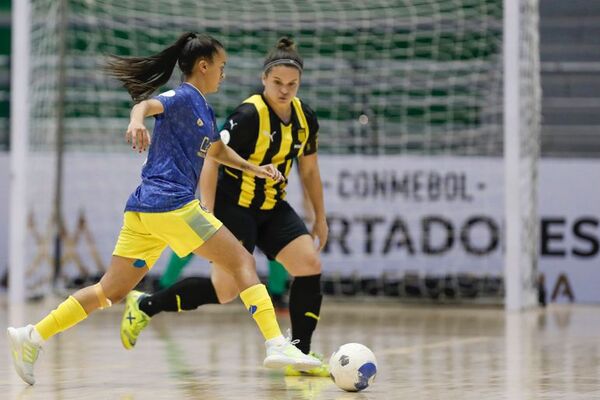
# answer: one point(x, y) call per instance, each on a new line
point(145, 235)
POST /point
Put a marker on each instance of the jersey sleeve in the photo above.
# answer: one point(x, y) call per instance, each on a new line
point(168, 99)
point(240, 127)
point(312, 143)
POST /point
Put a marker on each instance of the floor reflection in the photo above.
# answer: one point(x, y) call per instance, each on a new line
point(423, 353)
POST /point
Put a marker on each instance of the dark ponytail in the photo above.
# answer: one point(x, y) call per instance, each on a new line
point(284, 53)
point(141, 76)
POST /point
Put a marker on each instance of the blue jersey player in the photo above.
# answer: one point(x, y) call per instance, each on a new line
point(162, 211)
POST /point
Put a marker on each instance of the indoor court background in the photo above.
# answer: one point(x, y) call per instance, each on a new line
point(437, 118)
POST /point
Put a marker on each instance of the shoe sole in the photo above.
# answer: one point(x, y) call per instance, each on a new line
point(14, 348)
point(275, 362)
point(125, 342)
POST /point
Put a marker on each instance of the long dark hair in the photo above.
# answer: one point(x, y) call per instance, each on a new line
point(284, 53)
point(141, 76)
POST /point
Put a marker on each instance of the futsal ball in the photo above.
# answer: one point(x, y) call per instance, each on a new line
point(353, 367)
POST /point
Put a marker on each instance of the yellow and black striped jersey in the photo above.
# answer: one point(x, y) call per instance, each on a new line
point(258, 135)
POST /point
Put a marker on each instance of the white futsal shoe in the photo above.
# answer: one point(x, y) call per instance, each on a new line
point(24, 351)
point(282, 352)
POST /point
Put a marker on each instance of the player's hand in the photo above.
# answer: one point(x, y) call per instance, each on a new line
point(269, 171)
point(320, 232)
point(138, 136)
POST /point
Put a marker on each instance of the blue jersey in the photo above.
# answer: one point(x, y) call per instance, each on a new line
point(182, 135)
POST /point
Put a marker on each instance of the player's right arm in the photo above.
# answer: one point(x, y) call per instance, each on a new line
point(225, 155)
point(137, 134)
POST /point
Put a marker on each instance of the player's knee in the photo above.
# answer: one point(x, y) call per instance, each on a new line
point(312, 264)
point(246, 261)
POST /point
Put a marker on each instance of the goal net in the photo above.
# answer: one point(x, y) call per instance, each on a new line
point(410, 100)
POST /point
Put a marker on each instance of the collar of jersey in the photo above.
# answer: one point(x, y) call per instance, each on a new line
point(271, 111)
point(198, 90)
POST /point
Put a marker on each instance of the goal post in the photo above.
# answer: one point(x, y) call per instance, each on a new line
point(19, 128)
point(521, 151)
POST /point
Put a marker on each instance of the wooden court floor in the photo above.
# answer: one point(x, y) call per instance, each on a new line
point(423, 353)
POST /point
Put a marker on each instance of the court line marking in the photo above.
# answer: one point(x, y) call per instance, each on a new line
point(445, 343)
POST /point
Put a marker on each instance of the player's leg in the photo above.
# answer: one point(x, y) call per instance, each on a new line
point(173, 270)
point(191, 293)
point(285, 237)
point(302, 261)
point(192, 228)
point(276, 284)
point(185, 295)
point(26, 341)
point(224, 250)
point(134, 253)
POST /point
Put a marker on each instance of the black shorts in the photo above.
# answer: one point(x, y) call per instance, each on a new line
point(269, 230)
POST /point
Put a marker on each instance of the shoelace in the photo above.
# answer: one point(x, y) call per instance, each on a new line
point(288, 338)
point(293, 343)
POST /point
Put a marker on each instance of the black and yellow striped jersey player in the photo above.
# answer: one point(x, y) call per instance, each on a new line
point(272, 127)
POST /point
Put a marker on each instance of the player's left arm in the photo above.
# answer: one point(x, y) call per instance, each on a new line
point(310, 176)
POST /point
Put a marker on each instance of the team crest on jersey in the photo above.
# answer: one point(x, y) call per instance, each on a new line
point(302, 134)
point(199, 122)
point(204, 147)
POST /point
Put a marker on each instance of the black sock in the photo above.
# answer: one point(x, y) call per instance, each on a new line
point(305, 306)
point(187, 294)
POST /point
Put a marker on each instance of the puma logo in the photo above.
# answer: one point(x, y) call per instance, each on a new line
point(270, 135)
point(232, 124)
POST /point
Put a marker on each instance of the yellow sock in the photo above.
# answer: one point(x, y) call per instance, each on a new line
point(67, 314)
point(257, 301)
